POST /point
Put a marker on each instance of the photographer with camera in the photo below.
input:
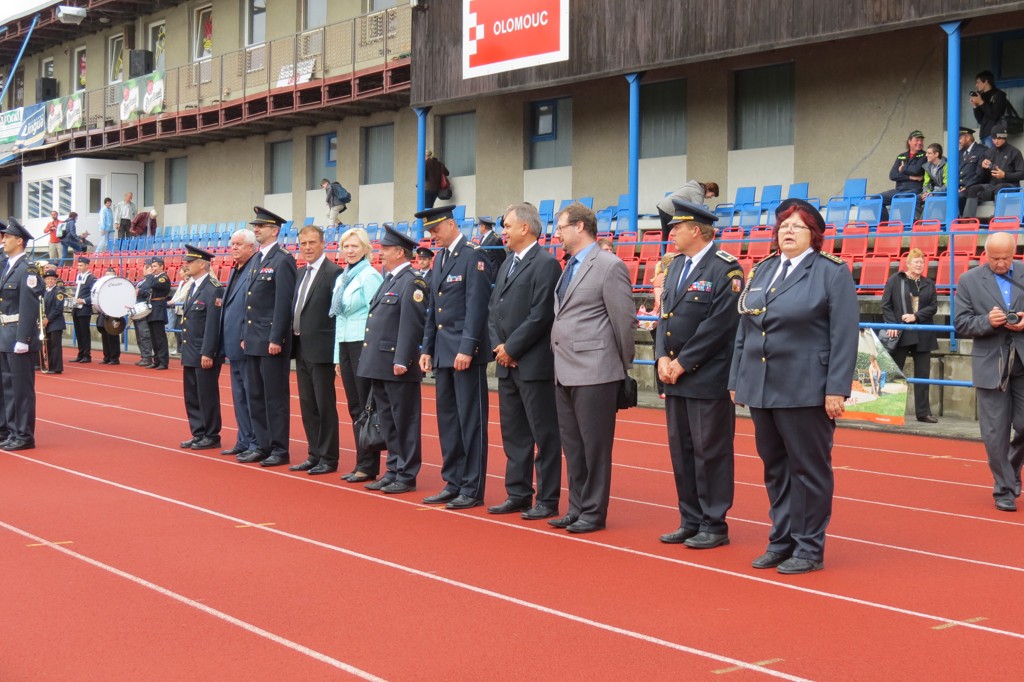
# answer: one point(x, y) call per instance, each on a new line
point(989, 308)
point(989, 104)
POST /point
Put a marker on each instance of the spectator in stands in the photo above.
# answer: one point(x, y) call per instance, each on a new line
point(491, 243)
point(350, 305)
point(144, 223)
point(909, 298)
point(693, 192)
point(798, 305)
point(971, 154)
point(123, 213)
point(989, 104)
point(107, 233)
point(606, 244)
point(337, 200)
point(52, 229)
point(1003, 166)
point(435, 170)
point(907, 171)
point(986, 297)
point(70, 239)
point(936, 172)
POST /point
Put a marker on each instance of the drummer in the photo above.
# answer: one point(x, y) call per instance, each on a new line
point(110, 329)
point(159, 292)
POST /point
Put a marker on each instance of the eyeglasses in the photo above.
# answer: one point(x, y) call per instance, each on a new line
point(567, 225)
point(793, 228)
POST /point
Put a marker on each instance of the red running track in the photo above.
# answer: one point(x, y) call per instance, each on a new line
point(127, 558)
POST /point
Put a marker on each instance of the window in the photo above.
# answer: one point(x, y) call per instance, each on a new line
point(279, 167)
point(763, 115)
point(40, 198)
point(46, 68)
point(95, 195)
point(323, 159)
point(78, 68)
point(551, 134)
point(663, 119)
point(378, 5)
point(256, 22)
point(202, 37)
point(13, 190)
point(115, 58)
point(177, 180)
point(378, 154)
point(458, 143)
point(149, 183)
point(64, 195)
point(315, 14)
point(155, 43)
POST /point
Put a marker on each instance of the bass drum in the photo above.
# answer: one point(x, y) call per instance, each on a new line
point(113, 295)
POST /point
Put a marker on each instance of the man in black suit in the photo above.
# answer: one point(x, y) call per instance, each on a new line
point(200, 356)
point(53, 322)
point(313, 349)
point(522, 312)
point(492, 245)
point(456, 346)
point(81, 316)
point(159, 292)
point(391, 350)
point(20, 289)
point(693, 354)
point(267, 341)
point(243, 246)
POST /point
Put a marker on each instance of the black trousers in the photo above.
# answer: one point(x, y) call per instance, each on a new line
point(19, 388)
point(318, 404)
point(357, 391)
point(398, 403)
point(922, 370)
point(158, 335)
point(124, 226)
point(462, 428)
point(111, 345)
point(55, 351)
point(83, 335)
point(586, 421)
point(269, 397)
point(202, 400)
point(527, 413)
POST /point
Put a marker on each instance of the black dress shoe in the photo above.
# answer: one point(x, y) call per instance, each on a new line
point(509, 507)
point(19, 445)
point(359, 477)
point(251, 456)
point(207, 443)
point(74, 360)
point(379, 485)
point(113, 362)
point(539, 511)
point(274, 461)
point(769, 559)
point(795, 566)
point(1007, 504)
point(464, 502)
point(397, 487)
point(186, 444)
point(441, 498)
point(346, 477)
point(705, 540)
point(160, 367)
point(85, 361)
point(321, 468)
point(929, 419)
point(305, 466)
point(140, 363)
point(563, 522)
point(584, 527)
point(233, 451)
point(104, 361)
point(678, 536)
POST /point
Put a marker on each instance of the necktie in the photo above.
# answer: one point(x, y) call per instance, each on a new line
point(190, 292)
point(687, 264)
point(512, 268)
point(563, 286)
point(297, 317)
point(444, 257)
point(785, 269)
point(256, 261)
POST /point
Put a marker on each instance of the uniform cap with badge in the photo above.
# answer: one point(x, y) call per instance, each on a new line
point(424, 252)
point(265, 217)
point(393, 237)
point(193, 253)
point(13, 227)
point(433, 217)
point(688, 212)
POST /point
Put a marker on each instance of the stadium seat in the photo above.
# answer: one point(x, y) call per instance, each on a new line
point(759, 249)
point(771, 195)
point(838, 211)
point(855, 242)
point(798, 190)
point(625, 244)
point(868, 209)
point(966, 241)
point(903, 208)
point(587, 201)
point(960, 265)
point(1010, 202)
point(855, 187)
point(730, 240)
point(874, 273)
point(935, 207)
point(647, 283)
point(928, 243)
point(633, 266)
point(651, 245)
point(750, 216)
point(828, 245)
point(888, 241)
point(604, 221)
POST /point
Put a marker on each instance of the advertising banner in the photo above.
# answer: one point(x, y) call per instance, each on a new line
point(499, 36)
point(142, 96)
point(879, 387)
point(64, 113)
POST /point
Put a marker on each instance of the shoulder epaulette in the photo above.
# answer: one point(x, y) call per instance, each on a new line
point(33, 269)
point(472, 245)
point(726, 256)
point(162, 278)
point(215, 283)
point(833, 257)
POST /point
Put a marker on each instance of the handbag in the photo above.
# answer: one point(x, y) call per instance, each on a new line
point(445, 189)
point(1012, 120)
point(891, 342)
point(627, 394)
point(371, 437)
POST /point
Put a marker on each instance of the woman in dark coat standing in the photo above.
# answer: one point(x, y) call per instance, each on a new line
point(909, 298)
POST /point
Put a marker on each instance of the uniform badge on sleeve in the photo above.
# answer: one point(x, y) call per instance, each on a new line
point(217, 302)
point(480, 265)
point(417, 295)
point(737, 286)
point(31, 281)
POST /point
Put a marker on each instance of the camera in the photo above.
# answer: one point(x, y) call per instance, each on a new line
point(1012, 318)
point(975, 93)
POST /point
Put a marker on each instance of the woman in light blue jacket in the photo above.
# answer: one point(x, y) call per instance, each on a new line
point(350, 306)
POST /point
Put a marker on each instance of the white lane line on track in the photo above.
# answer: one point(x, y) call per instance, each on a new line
point(249, 627)
point(649, 639)
point(542, 532)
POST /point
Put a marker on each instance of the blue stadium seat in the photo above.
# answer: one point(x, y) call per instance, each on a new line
point(587, 201)
point(798, 190)
point(868, 209)
point(770, 194)
point(459, 213)
point(838, 211)
point(903, 208)
point(934, 207)
point(1009, 202)
point(855, 187)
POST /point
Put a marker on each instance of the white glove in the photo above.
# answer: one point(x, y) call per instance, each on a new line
point(20, 347)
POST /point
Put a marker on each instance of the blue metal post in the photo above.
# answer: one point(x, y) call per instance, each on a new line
point(421, 150)
point(634, 148)
point(953, 96)
point(14, 67)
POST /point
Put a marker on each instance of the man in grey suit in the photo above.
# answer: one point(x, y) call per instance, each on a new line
point(592, 340)
point(988, 299)
point(522, 312)
point(243, 246)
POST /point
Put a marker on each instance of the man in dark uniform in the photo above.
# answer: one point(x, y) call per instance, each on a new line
point(693, 354)
point(389, 359)
point(54, 324)
point(424, 259)
point(492, 245)
point(456, 346)
point(200, 357)
point(971, 154)
point(81, 316)
point(159, 292)
point(143, 339)
point(522, 312)
point(110, 329)
point(313, 350)
point(20, 289)
point(243, 246)
point(1002, 166)
point(267, 341)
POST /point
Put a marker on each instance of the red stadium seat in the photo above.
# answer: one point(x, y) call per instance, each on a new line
point(966, 241)
point(960, 264)
point(874, 272)
point(829, 243)
point(625, 245)
point(651, 245)
point(855, 242)
point(928, 243)
point(731, 240)
point(886, 245)
point(759, 250)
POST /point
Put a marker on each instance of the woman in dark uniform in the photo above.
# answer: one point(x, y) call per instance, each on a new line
point(796, 349)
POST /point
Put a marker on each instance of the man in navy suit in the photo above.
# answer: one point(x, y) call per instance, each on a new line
point(267, 341)
point(200, 346)
point(522, 312)
point(456, 346)
point(693, 354)
point(54, 323)
point(313, 349)
point(243, 246)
